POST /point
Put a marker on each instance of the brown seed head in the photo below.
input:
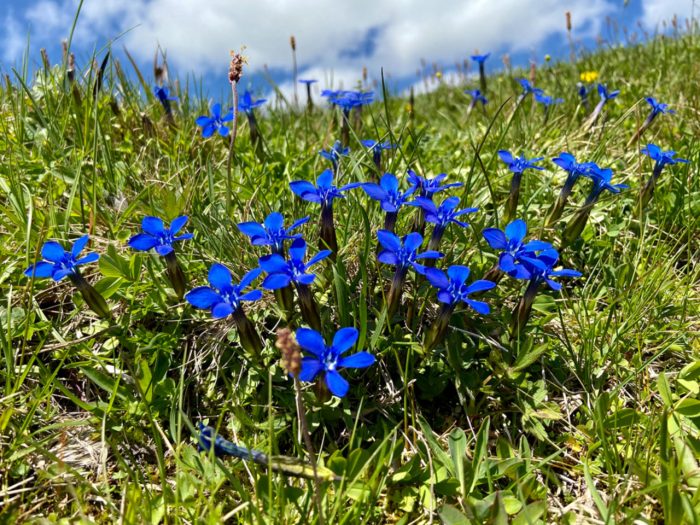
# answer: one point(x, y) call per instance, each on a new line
point(291, 352)
point(293, 42)
point(235, 70)
point(568, 21)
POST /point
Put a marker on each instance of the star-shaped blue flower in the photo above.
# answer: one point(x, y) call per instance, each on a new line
point(246, 103)
point(157, 236)
point(480, 59)
point(59, 263)
point(223, 297)
point(541, 269)
point(324, 192)
point(606, 95)
point(661, 157)
point(658, 107)
point(329, 359)
point(403, 253)
point(429, 187)
point(477, 97)
point(511, 243)
point(445, 214)
point(334, 153)
point(519, 164)
point(453, 287)
point(271, 232)
point(215, 122)
point(163, 94)
point(387, 192)
point(527, 87)
point(282, 272)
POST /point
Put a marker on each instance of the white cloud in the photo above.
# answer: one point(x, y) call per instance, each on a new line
point(655, 11)
point(198, 34)
point(14, 39)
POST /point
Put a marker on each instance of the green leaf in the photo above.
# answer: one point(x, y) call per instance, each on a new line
point(451, 516)
point(457, 443)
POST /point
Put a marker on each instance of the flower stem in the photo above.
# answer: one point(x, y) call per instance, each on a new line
point(250, 339)
point(393, 300)
point(285, 299)
point(482, 77)
point(328, 239)
point(521, 314)
point(648, 191)
point(176, 275)
point(513, 197)
point(234, 131)
point(557, 208)
point(577, 224)
point(308, 307)
point(91, 296)
point(437, 332)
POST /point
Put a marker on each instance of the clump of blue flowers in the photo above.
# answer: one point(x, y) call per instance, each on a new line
point(58, 263)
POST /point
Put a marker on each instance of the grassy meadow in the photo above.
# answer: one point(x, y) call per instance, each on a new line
point(591, 414)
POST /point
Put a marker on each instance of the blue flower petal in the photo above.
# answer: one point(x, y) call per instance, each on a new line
point(79, 245)
point(221, 310)
point(479, 306)
point(437, 278)
point(250, 277)
point(311, 341)
point(336, 384)
point(496, 238)
point(274, 221)
point(163, 249)
point(274, 263)
point(219, 276)
point(317, 258)
point(202, 297)
point(358, 360)
point(310, 367)
point(275, 281)
point(90, 257)
point(53, 251)
point(516, 230)
point(178, 223)
point(143, 242)
point(153, 225)
point(458, 273)
point(253, 295)
point(40, 270)
point(252, 229)
point(345, 339)
point(388, 257)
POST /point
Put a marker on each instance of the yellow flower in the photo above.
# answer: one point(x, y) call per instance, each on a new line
point(589, 76)
point(438, 75)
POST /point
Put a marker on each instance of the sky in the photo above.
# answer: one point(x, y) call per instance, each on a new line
point(335, 39)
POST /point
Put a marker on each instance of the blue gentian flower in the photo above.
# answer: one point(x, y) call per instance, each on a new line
point(658, 108)
point(661, 159)
point(477, 97)
point(403, 253)
point(538, 270)
point(376, 148)
point(348, 100)
point(307, 81)
point(334, 153)
point(429, 187)
point(246, 103)
point(324, 192)
point(282, 272)
point(453, 290)
point(602, 178)
point(519, 164)
point(546, 100)
point(59, 263)
point(541, 269)
point(223, 297)
point(271, 232)
point(527, 88)
point(441, 216)
point(329, 359)
point(606, 95)
point(224, 447)
point(163, 95)
point(157, 236)
point(453, 287)
point(511, 243)
point(215, 122)
point(575, 170)
point(387, 193)
point(480, 59)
